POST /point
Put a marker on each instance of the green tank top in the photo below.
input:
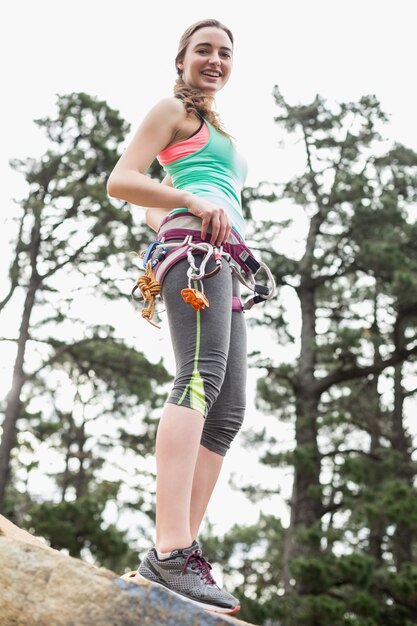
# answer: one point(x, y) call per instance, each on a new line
point(216, 172)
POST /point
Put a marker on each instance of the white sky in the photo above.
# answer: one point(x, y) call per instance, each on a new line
point(123, 52)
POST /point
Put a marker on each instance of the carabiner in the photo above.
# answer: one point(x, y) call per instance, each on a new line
point(200, 272)
point(218, 260)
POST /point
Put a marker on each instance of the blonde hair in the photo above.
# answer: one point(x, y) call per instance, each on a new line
point(194, 100)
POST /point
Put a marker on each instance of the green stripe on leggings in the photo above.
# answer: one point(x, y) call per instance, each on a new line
point(196, 383)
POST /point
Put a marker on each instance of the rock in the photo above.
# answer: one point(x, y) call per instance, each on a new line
point(40, 586)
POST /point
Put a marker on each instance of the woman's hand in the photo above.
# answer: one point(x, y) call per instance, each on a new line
point(213, 217)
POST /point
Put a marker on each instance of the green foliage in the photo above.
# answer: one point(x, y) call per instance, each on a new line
point(78, 526)
point(276, 389)
point(124, 370)
point(253, 558)
point(81, 229)
point(353, 525)
point(91, 395)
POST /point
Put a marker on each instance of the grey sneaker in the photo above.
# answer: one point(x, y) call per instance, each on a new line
point(187, 573)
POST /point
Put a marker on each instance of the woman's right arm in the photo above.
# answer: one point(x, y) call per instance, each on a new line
point(128, 181)
point(156, 215)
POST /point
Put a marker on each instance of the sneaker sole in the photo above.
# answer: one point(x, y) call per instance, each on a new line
point(138, 579)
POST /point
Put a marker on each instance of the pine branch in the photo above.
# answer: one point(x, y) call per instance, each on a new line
point(339, 376)
point(59, 352)
point(280, 376)
point(333, 453)
point(314, 184)
point(14, 266)
point(410, 392)
point(69, 259)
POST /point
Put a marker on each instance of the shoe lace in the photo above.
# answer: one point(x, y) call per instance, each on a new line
point(199, 565)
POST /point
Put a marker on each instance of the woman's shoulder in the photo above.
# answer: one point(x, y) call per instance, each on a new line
point(170, 106)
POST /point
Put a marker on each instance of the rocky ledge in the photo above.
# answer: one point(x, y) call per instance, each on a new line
point(42, 587)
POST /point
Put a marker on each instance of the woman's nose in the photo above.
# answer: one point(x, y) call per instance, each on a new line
point(214, 58)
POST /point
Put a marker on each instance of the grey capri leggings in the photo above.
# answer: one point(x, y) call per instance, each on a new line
point(210, 354)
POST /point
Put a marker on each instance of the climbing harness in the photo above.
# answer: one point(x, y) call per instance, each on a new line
point(175, 244)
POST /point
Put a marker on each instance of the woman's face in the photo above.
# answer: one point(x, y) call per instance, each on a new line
point(208, 60)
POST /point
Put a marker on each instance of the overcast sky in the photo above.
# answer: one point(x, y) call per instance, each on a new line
point(123, 52)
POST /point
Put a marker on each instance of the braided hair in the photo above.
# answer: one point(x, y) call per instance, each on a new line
point(193, 99)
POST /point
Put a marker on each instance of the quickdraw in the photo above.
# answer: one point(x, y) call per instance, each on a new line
point(175, 244)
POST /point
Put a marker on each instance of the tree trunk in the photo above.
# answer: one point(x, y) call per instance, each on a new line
point(14, 402)
point(377, 523)
point(66, 440)
point(80, 479)
point(403, 536)
point(306, 503)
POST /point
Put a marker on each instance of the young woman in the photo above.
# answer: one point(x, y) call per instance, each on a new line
point(205, 409)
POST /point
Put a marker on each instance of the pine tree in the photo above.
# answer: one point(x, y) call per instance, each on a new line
point(348, 555)
point(71, 239)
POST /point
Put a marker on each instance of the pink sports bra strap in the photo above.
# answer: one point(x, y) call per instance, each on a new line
point(184, 148)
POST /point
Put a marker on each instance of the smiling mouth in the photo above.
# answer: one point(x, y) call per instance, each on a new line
point(211, 74)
